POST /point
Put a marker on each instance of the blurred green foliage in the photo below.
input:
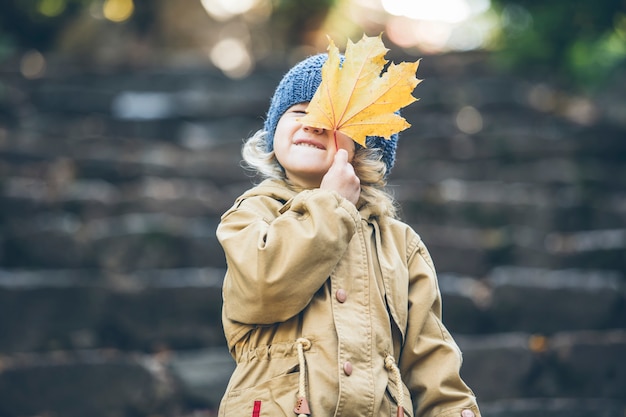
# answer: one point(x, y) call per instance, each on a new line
point(35, 23)
point(579, 42)
point(295, 19)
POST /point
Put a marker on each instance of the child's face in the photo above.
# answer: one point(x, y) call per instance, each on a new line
point(306, 153)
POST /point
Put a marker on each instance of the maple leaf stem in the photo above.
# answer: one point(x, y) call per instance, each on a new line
point(335, 136)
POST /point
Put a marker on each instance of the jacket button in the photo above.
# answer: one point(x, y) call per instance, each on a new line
point(341, 295)
point(347, 369)
point(467, 413)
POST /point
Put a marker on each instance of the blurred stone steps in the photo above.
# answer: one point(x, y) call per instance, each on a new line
point(533, 300)
point(123, 160)
point(111, 186)
point(146, 311)
point(97, 383)
point(201, 177)
point(151, 309)
point(121, 243)
point(475, 251)
point(89, 198)
point(583, 364)
point(181, 233)
point(544, 170)
point(554, 407)
point(573, 372)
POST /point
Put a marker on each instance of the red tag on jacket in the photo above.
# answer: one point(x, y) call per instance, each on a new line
point(256, 410)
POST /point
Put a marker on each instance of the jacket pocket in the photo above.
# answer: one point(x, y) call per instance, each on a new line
point(275, 397)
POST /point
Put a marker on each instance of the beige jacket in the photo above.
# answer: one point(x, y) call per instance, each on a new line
point(326, 303)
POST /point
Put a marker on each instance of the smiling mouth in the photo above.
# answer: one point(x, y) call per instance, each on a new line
point(309, 144)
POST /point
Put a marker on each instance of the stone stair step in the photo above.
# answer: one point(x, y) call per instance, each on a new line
point(203, 374)
point(534, 300)
point(496, 194)
point(475, 251)
point(145, 310)
point(126, 242)
point(121, 160)
point(97, 383)
point(181, 308)
point(154, 94)
point(509, 134)
point(545, 301)
point(502, 367)
point(585, 364)
point(524, 374)
point(180, 216)
point(26, 198)
point(553, 407)
point(523, 172)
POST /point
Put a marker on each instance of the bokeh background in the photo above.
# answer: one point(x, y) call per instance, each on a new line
point(121, 123)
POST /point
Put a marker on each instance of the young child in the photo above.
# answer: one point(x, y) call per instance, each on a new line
point(331, 304)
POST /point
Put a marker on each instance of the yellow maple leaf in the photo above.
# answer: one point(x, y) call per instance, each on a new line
point(358, 97)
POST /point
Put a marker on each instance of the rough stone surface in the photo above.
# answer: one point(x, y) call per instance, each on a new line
point(75, 384)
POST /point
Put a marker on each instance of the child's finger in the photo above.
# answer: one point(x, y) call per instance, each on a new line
point(341, 157)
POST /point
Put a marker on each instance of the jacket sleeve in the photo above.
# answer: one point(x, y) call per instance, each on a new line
point(276, 262)
point(430, 362)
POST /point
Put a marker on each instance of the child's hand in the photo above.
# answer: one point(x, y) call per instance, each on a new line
point(342, 179)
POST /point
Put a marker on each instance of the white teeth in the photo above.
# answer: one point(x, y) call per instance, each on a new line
point(308, 145)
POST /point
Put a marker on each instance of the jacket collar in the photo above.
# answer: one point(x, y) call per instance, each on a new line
point(281, 191)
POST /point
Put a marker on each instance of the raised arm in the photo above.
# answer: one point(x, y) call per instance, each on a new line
point(277, 261)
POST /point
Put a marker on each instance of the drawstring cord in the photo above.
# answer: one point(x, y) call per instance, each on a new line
point(302, 405)
point(390, 365)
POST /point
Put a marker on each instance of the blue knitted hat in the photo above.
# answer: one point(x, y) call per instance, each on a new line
point(298, 86)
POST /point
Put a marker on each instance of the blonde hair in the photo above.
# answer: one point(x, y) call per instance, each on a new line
point(367, 163)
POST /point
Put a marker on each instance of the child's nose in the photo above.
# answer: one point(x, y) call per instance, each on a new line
point(314, 130)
